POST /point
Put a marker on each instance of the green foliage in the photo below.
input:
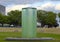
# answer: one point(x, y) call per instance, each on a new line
point(51, 18)
point(46, 17)
point(1, 18)
point(59, 14)
point(15, 17)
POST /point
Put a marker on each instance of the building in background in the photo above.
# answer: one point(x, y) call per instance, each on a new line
point(2, 9)
point(58, 19)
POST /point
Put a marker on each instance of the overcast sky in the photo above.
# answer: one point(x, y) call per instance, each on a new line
point(39, 4)
point(7, 2)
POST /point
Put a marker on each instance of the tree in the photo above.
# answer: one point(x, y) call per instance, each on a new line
point(59, 15)
point(46, 18)
point(41, 15)
point(5, 19)
point(51, 18)
point(1, 19)
point(14, 17)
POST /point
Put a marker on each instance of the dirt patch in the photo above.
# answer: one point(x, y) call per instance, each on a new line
point(42, 30)
point(49, 30)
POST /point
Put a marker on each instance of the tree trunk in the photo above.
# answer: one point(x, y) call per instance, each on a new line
point(2, 24)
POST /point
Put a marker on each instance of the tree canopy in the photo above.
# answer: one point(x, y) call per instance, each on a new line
point(46, 17)
point(15, 17)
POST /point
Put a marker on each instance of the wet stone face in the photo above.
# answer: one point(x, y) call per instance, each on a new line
point(28, 39)
point(29, 21)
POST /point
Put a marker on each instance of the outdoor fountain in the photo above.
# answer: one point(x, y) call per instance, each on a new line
point(29, 25)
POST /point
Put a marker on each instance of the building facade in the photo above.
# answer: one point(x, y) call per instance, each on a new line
point(2, 9)
point(58, 19)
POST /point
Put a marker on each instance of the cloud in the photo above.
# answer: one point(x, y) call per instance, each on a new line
point(49, 6)
point(46, 5)
point(16, 7)
point(19, 7)
point(6, 2)
point(57, 7)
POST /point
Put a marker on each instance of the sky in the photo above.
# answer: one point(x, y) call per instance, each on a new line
point(49, 5)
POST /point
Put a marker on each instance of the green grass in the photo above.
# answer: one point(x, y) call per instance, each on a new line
point(55, 36)
point(3, 35)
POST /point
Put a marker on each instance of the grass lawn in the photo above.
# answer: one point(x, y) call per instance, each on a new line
point(3, 35)
point(41, 32)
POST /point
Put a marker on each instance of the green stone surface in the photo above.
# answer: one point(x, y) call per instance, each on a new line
point(29, 21)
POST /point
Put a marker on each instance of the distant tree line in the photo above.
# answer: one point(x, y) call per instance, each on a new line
point(12, 18)
point(47, 18)
point(44, 17)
